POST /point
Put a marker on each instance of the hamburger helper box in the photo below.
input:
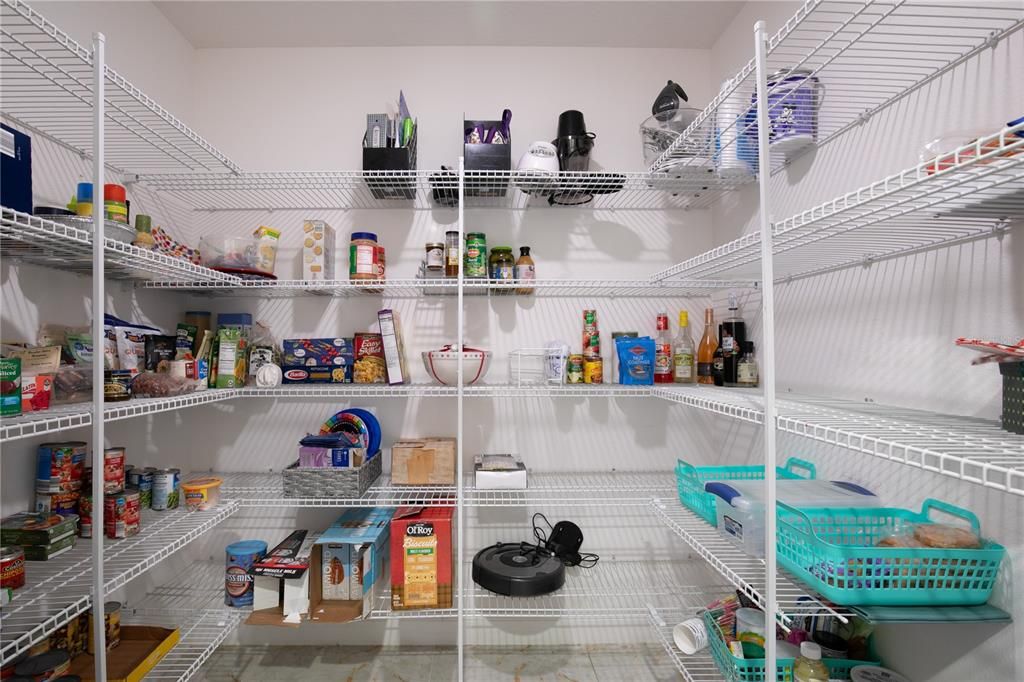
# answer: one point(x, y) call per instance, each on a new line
point(421, 558)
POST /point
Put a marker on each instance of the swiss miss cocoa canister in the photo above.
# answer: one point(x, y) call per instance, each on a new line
point(238, 584)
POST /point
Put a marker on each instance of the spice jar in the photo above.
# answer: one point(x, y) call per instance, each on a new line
point(451, 253)
point(435, 257)
point(143, 238)
point(115, 206)
point(366, 257)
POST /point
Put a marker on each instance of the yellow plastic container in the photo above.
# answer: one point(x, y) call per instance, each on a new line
point(201, 493)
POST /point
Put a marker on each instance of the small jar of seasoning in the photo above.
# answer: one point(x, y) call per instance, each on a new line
point(115, 206)
point(366, 257)
point(143, 238)
point(435, 258)
point(451, 253)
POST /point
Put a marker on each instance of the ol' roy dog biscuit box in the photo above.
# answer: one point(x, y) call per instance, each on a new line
point(317, 361)
point(421, 558)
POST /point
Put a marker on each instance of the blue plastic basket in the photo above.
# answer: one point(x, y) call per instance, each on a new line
point(833, 550)
point(690, 480)
point(752, 669)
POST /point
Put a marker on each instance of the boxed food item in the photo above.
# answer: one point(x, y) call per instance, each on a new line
point(36, 392)
point(499, 472)
point(230, 358)
point(423, 461)
point(317, 361)
point(10, 386)
point(336, 571)
point(394, 348)
point(421, 565)
point(52, 549)
point(317, 250)
point(26, 528)
point(358, 537)
point(369, 366)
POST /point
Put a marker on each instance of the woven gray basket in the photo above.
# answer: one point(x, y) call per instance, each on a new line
point(311, 482)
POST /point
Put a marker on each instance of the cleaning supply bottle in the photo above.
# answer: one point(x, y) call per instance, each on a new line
point(808, 666)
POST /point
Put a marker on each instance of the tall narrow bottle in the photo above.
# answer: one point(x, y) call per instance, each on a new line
point(733, 335)
point(706, 350)
point(683, 352)
point(663, 352)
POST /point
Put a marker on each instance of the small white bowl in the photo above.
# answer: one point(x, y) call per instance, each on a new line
point(443, 365)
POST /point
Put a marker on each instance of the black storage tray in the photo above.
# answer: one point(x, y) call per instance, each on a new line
point(379, 170)
point(486, 157)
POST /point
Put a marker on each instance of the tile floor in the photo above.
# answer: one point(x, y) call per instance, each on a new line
point(430, 664)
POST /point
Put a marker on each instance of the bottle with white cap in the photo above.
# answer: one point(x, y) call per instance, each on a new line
point(808, 666)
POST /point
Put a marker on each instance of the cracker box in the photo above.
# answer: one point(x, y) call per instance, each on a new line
point(394, 347)
point(423, 461)
point(317, 250)
point(421, 558)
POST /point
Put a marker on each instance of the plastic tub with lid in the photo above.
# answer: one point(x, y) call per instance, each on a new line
point(740, 505)
point(201, 493)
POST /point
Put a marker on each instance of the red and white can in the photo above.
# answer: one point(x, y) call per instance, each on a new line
point(121, 514)
point(113, 470)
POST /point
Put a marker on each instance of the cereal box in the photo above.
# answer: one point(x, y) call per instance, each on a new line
point(317, 250)
point(421, 558)
point(369, 367)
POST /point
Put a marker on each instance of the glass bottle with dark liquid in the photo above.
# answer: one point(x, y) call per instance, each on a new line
point(732, 335)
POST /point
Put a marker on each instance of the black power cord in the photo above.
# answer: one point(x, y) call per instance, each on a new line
point(563, 540)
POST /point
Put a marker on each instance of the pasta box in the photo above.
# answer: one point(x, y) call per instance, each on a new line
point(317, 361)
point(421, 564)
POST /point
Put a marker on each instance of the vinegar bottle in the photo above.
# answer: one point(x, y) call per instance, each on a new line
point(707, 348)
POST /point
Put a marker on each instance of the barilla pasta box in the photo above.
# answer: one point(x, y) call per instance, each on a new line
point(421, 558)
point(317, 361)
point(347, 559)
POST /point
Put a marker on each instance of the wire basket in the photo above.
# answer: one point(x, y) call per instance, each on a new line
point(333, 482)
point(536, 366)
point(690, 481)
point(752, 669)
point(834, 550)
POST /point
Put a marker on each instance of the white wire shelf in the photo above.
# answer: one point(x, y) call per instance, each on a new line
point(699, 667)
point(59, 589)
point(51, 244)
point(557, 391)
point(324, 391)
point(422, 190)
point(969, 449)
point(577, 489)
point(867, 55)
point(266, 489)
point(745, 572)
point(973, 193)
point(80, 414)
point(47, 89)
point(415, 288)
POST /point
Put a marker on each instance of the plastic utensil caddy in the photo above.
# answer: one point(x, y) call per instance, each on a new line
point(752, 669)
point(690, 480)
point(833, 550)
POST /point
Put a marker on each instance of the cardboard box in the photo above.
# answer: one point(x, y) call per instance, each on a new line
point(141, 648)
point(317, 251)
point(267, 593)
point(423, 461)
point(336, 571)
point(421, 565)
point(499, 472)
point(317, 361)
point(394, 347)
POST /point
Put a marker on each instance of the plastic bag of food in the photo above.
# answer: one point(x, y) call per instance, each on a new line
point(161, 385)
point(160, 350)
point(636, 360)
point(263, 349)
point(72, 384)
point(555, 361)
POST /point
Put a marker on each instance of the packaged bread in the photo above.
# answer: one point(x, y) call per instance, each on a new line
point(944, 536)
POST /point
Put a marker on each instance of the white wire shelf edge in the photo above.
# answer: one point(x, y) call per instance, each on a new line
point(48, 86)
point(266, 489)
point(685, 188)
point(969, 449)
point(415, 288)
point(576, 489)
point(79, 414)
point(699, 667)
point(974, 192)
point(47, 243)
point(59, 589)
point(556, 391)
point(850, 48)
point(745, 572)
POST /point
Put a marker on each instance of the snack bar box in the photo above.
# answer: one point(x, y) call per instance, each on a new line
point(421, 558)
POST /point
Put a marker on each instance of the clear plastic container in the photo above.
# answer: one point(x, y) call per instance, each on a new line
point(239, 254)
point(740, 505)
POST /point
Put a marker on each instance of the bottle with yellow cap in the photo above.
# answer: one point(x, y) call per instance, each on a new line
point(684, 372)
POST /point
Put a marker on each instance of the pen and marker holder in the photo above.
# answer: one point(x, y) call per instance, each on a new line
point(380, 164)
point(481, 156)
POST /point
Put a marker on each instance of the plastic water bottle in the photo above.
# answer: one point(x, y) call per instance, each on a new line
point(808, 666)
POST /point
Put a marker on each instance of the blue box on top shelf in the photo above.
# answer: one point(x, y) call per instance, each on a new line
point(15, 169)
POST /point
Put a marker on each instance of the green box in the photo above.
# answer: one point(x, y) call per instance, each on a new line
point(45, 552)
point(29, 528)
point(10, 386)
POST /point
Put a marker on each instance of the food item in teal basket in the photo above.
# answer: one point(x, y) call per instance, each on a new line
point(10, 386)
point(476, 256)
point(238, 583)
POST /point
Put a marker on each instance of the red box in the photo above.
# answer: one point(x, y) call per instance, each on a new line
point(421, 558)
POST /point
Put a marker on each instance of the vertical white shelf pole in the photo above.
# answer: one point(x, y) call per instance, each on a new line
point(98, 299)
point(767, 345)
point(460, 516)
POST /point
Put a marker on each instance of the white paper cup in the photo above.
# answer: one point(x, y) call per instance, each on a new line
point(690, 636)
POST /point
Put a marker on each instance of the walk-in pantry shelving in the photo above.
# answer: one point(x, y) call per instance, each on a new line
point(53, 87)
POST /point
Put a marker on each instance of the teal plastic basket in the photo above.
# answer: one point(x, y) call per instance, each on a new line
point(752, 669)
point(833, 550)
point(690, 480)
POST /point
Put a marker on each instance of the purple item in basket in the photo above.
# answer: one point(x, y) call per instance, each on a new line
point(793, 100)
point(340, 449)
